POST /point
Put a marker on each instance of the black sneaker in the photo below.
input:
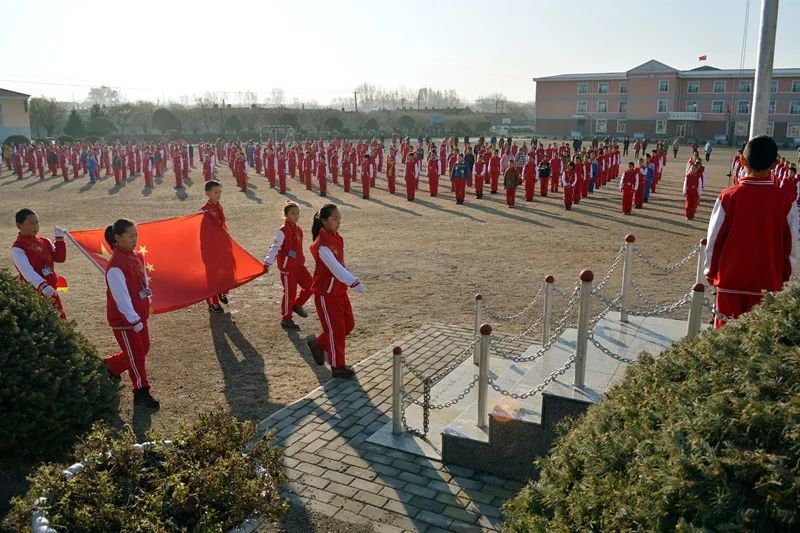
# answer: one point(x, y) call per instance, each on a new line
point(223, 297)
point(300, 311)
point(143, 397)
point(216, 308)
point(288, 323)
point(316, 351)
point(344, 372)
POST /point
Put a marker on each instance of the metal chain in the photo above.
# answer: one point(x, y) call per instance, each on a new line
point(640, 294)
point(522, 335)
point(655, 311)
point(425, 412)
point(612, 268)
point(446, 369)
point(668, 268)
point(543, 385)
point(458, 397)
point(502, 318)
point(714, 312)
point(607, 351)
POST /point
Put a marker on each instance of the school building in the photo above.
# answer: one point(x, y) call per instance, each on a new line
point(655, 100)
point(14, 116)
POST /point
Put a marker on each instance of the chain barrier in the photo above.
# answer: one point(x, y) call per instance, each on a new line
point(614, 264)
point(655, 311)
point(714, 313)
point(492, 314)
point(539, 388)
point(668, 268)
point(426, 393)
point(640, 294)
point(608, 352)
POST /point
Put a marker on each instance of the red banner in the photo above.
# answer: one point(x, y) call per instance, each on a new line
point(187, 258)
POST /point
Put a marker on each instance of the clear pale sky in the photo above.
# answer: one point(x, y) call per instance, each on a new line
point(322, 49)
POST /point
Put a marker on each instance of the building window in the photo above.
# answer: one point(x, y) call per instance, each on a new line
point(662, 106)
point(772, 107)
point(602, 106)
point(717, 106)
point(601, 125)
point(602, 88)
point(796, 86)
point(583, 88)
point(691, 106)
point(621, 126)
point(661, 126)
point(583, 106)
point(719, 86)
point(663, 86)
point(793, 130)
point(771, 129)
point(794, 108)
point(623, 87)
point(745, 86)
point(773, 86)
point(623, 106)
point(693, 87)
point(743, 107)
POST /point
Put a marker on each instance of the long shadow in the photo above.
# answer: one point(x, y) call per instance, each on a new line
point(116, 188)
point(339, 201)
point(58, 185)
point(141, 421)
point(86, 187)
point(508, 213)
point(431, 205)
point(250, 195)
point(181, 194)
point(36, 181)
point(630, 221)
point(147, 191)
point(395, 207)
point(246, 388)
point(297, 200)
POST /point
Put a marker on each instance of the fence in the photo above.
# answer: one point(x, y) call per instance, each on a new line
point(576, 313)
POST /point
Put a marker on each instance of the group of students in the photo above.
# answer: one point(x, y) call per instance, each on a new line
point(129, 294)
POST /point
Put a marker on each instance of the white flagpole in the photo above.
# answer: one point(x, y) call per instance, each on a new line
point(84, 252)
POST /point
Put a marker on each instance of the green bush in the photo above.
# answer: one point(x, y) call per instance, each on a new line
point(202, 482)
point(706, 437)
point(62, 139)
point(16, 139)
point(53, 385)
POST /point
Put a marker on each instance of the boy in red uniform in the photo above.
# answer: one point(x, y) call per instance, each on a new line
point(411, 175)
point(692, 187)
point(752, 234)
point(433, 173)
point(494, 171)
point(34, 257)
point(479, 174)
point(628, 185)
point(367, 175)
point(213, 207)
point(511, 180)
point(529, 179)
point(391, 171)
point(568, 181)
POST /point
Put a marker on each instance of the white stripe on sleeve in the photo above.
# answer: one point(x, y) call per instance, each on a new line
point(714, 225)
point(336, 268)
point(119, 291)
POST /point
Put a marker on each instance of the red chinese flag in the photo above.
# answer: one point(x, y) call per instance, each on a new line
point(187, 258)
point(702, 58)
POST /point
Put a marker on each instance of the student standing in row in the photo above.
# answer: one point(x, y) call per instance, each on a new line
point(213, 207)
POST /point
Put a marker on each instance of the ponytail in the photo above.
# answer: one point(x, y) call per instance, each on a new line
point(323, 214)
point(119, 227)
point(109, 235)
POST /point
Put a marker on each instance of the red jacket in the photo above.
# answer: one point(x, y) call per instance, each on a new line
point(216, 211)
point(290, 256)
point(41, 254)
point(132, 266)
point(752, 238)
point(324, 282)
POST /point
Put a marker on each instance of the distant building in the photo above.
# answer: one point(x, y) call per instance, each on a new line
point(14, 116)
point(656, 101)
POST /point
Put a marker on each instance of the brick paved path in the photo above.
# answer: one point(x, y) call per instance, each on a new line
point(333, 471)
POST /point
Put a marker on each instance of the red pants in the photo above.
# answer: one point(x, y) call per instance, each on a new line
point(691, 201)
point(290, 280)
point(627, 200)
point(478, 186)
point(365, 183)
point(323, 184)
point(460, 188)
point(337, 320)
point(282, 183)
point(433, 184)
point(530, 190)
point(568, 197)
point(134, 348)
point(493, 179)
point(241, 180)
point(335, 175)
point(148, 178)
point(74, 170)
point(653, 185)
point(258, 165)
point(733, 305)
point(543, 186)
point(585, 187)
point(411, 188)
point(117, 175)
point(576, 191)
point(178, 177)
point(307, 179)
point(554, 180)
point(511, 195)
point(271, 178)
point(346, 182)
point(640, 195)
point(390, 181)
point(65, 173)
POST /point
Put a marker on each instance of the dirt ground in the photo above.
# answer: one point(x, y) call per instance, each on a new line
point(422, 262)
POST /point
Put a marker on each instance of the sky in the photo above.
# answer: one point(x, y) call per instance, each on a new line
point(321, 50)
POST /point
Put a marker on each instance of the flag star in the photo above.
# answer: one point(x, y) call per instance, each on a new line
point(143, 250)
point(149, 267)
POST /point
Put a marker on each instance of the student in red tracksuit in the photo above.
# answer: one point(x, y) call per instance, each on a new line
point(692, 187)
point(213, 207)
point(282, 169)
point(333, 160)
point(578, 169)
point(638, 198)
point(433, 173)
point(367, 175)
point(494, 171)
point(752, 234)
point(568, 181)
point(529, 178)
point(287, 252)
point(511, 180)
point(347, 172)
point(556, 170)
point(322, 175)
point(391, 172)
point(628, 185)
point(34, 257)
point(128, 308)
point(411, 175)
point(330, 284)
point(479, 175)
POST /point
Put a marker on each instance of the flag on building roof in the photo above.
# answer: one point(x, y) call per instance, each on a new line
point(702, 58)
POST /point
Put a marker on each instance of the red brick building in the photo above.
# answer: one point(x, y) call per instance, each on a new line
point(658, 101)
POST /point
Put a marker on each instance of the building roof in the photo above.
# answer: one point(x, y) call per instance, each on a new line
point(5, 93)
point(656, 67)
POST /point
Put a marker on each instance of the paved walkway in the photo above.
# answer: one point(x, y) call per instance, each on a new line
point(331, 470)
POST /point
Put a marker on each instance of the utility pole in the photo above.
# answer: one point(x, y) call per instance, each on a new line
point(759, 112)
point(355, 99)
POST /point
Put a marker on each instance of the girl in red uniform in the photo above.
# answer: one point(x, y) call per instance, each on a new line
point(287, 251)
point(33, 256)
point(330, 284)
point(433, 173)
point(128, 308)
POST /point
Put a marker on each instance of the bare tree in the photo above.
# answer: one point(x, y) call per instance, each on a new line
point(276, 97)
point(102, 96)
point(46, 113)
point(121, 115)
point(143, 113)
point(207, 111)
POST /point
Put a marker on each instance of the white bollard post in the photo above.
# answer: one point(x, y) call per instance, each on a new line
point(695, 310)
point(587, 276)
point(547, 314)
point(483, 374)
point(476, 354)
point(627, 273)
point(701, 263)
point(397, 390)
